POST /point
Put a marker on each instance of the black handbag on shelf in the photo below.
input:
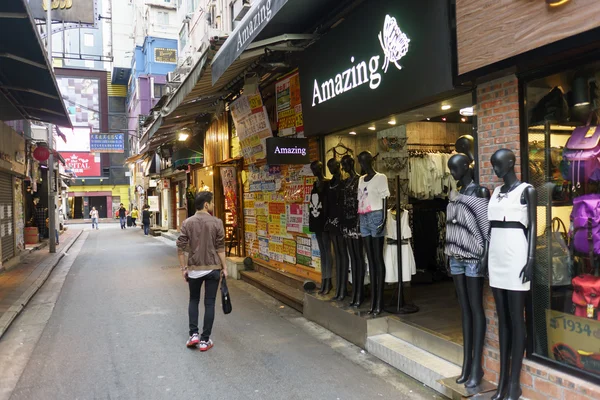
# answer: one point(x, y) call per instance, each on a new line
point(561, 260)
point(225, 299)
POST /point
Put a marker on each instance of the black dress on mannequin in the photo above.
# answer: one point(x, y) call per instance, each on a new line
point(351, 229)
point(467, 239)
point(333, 225)
point(511, 262)
point(316, 223)
point(373, 235)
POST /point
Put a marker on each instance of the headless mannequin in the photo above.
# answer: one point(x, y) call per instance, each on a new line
point(334, 225)
point(323, 237)
point(511, 303)
point(470, 289)
point(354, 244)
point(374, 245)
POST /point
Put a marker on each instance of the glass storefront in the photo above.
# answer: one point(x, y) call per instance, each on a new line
point(563, 149)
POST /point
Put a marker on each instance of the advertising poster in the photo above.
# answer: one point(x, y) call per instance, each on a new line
point(294, 218)
point(82, 164)
point(304, 251)
point(276, 248)
point(153, 203)
point(263, 248)
point(316, 254)
point(289, 251)
point(289, 107)
point(261, 225)
point(252, 126)
point(76, 140)
point(229, 179)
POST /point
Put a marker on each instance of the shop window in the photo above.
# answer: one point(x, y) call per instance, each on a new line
point(563, 144)
point(160, 89)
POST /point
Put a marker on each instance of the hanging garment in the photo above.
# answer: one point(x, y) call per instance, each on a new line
point(508, 244)
point(390, 251)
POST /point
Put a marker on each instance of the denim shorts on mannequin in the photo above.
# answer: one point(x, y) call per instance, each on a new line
point(370, 222)
point(471, 268)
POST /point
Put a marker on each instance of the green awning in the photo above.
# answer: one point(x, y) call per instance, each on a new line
point(184, 157)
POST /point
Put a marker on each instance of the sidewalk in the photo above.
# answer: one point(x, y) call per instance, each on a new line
point(20, 283)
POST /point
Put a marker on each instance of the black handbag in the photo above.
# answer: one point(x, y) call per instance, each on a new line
point(561, 260)
point(225, 298)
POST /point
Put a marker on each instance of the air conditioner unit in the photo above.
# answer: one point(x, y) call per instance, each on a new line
point(242, 11)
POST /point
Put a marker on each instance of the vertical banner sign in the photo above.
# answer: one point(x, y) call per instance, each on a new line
point(252, 126)
point(229, 179)
point(289, 106)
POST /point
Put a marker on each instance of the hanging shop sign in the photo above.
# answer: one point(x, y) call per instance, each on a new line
point(248, 29)
point(82, 164)
point(289, 105)
point(153, 203)
point(526, 25)
point(287, 151)
point(167, 56)
point(107, 143)
point(77, 11)
point(386, 57)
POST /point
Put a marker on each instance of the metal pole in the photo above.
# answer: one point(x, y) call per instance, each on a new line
point(51, 180)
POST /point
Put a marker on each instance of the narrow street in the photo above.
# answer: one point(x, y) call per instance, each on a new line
point(119, 327)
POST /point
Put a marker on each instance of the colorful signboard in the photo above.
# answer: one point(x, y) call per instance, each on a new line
point(107, 142)
point(252, 126)
point(167, 56)
point(82, 164)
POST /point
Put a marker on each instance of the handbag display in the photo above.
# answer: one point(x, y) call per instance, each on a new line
point(582, 152)
point(562, 262)
point(225, 298)
point(585, 218)
point(586, 296)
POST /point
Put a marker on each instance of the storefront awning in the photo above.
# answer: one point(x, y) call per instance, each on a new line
point(185, 157)
point(135, 158)
point(28, 88)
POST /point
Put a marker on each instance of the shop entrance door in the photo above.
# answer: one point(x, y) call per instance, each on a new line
point(100, 203)
point(78, 208)
point(7, 235)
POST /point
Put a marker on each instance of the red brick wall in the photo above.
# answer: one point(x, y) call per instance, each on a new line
point(498, 127)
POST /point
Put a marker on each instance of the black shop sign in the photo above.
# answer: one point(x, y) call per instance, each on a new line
point(287, 151)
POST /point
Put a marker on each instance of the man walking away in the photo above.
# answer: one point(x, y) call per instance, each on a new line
point(94, 216)
point(203, 238)
point(122, 215)
point(146, 219)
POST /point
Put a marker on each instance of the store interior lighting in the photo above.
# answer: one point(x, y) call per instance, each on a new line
point(463, 119)
point(392, 122)
point(351, 133)
point(183, 136)
point(446, 107)
point(467, 112)
point(372, 128)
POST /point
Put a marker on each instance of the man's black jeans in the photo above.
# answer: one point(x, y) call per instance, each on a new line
point(212, 284)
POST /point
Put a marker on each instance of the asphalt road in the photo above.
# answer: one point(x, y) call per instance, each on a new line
point(119, 327)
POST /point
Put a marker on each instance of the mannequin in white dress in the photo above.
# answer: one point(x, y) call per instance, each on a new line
point(512, 213)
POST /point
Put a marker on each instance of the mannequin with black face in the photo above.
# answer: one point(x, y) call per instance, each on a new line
point(468, 279)
point(466, 145)
point(372, 229)
point(316, 222)
point(511, 262)
point(352, 231)
point(333, 224)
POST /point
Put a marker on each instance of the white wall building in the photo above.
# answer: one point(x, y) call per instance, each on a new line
point(156, 18)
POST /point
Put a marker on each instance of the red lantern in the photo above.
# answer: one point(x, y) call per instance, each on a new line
point(41, 153)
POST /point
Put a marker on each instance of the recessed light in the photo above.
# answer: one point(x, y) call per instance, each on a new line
point(463, 119)
point(352, 133)
point(585, 103)
point(446, 107)
point(372, 128)
point(428, 119)
point(444, 119)
point(467, 112)
point(392, 122)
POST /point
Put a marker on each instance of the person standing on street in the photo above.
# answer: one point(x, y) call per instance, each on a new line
point(94, 216)
point(134, 214)
point(146, 219)
point(122, 216)
point(203, 238)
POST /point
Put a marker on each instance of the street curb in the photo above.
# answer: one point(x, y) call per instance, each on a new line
point(9, 316)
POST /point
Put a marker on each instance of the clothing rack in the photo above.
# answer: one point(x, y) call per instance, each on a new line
point(418, 149)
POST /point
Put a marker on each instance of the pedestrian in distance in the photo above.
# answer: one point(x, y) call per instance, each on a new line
point(94, 216)
point(122, 216)
point(203, 238)
point(134, 214)
point(146, 219)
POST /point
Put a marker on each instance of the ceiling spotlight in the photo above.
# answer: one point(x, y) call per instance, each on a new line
point(444, 119)
point(392, 122)
point(182, 136)
point(372, 128)
point(463, 119)
point(352, 133)
point(428, 119)
point(446, 107)
point(467, 112)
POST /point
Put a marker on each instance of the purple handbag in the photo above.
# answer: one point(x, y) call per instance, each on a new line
point(581, 153)
point(585, 222)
